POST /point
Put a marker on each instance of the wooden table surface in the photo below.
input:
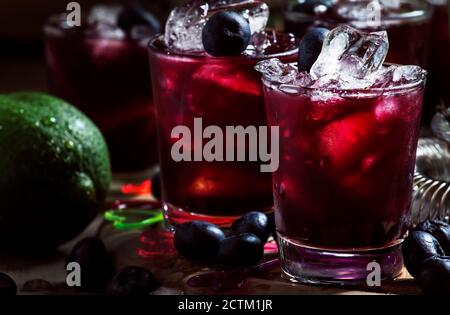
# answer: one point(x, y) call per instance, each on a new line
point(171, 270)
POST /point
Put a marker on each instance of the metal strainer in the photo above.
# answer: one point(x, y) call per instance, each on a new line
point(431, 194)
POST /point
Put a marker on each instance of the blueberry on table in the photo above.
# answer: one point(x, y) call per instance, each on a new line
point(417, 247)
point(133, 280)
point(7, 285)
point(95, 263)
point(135, 15)
point(226, 34)
point(440, 230)
point(254, 222)
point(240, 250)
point(198, 240)
point(311, 47)
point(434, 276)
point(310, 6)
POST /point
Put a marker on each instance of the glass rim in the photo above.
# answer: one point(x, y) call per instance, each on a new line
point(422, 13)
point(369, 92)
point(199, 56)
point(52, 29)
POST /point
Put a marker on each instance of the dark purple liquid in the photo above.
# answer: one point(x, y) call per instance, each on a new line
point(223, 92)
point(346, 165)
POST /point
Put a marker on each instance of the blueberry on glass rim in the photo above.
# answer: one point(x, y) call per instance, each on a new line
point(310, 6)
point(135, 15)
point(311, 47)
point(226, 34)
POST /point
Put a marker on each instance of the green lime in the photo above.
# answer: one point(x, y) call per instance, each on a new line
point(55, 171)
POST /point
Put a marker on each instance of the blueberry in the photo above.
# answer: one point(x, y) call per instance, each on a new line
point(156, 185)
point(226, 34)
point(133, 281)
point(311, 47)
point(198, 240)
point(240, 250)
point(310, 6)
point(136, 15)
point(417, 247)
point(7, 285)
point(254, 222)
point(434, 276)
point(440, 230)
point(95, 263)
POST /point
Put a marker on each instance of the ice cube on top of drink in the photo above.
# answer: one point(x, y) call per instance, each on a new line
point(350, 59)
point(108, 21)
point(183, 31)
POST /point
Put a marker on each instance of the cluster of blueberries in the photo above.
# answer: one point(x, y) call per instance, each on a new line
point(243, 246)
point(426, 252)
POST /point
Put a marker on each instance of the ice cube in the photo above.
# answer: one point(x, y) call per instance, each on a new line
point(184, 26)
point(105, 31)
point(383, 77)
point(260, 41)
point(407, 74)
point(350, 56)
point(185, 23)
point(397, 75)
point(346, 141)
point(257, 15)
point(104, 14)
point(276, 71)
point(102, 21)
point(227, 78)
point(367, 13)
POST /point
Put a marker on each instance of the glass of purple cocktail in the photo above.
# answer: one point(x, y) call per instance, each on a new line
point(348, 133)
point(101, 67)
point(190, 84)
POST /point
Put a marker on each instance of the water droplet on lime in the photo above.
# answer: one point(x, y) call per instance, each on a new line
point(69, 144)
point(49, 121)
